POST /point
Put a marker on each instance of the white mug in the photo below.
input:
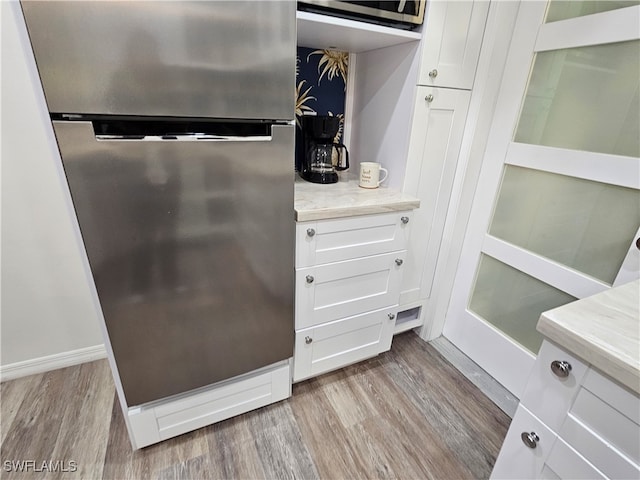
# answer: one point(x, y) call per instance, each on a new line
point(370, 174)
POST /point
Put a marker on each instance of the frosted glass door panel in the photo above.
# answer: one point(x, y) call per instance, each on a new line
point(585, 225)
point(558, 186)
point(513, 301)
point(564, 9)
point(584, 98)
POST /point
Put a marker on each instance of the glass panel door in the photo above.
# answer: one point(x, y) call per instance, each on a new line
point(512, 301)
point(565, 9)
point(563, 227)
point(584, 98)
point(582, 224)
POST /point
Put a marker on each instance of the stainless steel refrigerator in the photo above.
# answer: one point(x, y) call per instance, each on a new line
point(174, 122)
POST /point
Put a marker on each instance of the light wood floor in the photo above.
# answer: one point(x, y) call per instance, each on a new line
point(405, 414)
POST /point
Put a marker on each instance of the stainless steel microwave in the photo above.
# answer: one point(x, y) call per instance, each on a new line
point(407, 14)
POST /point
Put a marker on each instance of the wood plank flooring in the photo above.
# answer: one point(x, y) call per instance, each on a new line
point(406, 414)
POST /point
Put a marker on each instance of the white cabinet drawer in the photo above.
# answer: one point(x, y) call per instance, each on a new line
point(342, 289)
point(451, 43)
point(208, 405)
point(517, 460)
point(624, 401)
point(602, 454)
point(547, 394)
point(342, 342)
point(548, 474)
point(609, 439)
point(569, 464)
point(326, 241)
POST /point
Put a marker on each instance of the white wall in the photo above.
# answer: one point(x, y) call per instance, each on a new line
point(46, 303)
point(385, 88)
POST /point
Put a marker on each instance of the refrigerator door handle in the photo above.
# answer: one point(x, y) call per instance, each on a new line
point(184, 138)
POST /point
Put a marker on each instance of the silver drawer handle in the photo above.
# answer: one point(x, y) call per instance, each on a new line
point(404, 220)
point(530, 439)
point(310, 279)
point(561, 368)
point(429, 98)
point(311, 232)
point(399, 261)
point(308, 340)
point(391, 316)
point(433, 73)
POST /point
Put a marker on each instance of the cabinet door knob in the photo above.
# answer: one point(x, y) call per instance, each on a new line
point(308, 340)
point(561, 368)
point(310, 278)
point(530, 439)
point(310, 232)
point(391, 316)
point(429, 98)
point(433, 73)
point(399, 261)
point(404, 220)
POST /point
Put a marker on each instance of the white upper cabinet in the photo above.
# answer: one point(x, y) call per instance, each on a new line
point(451, 43)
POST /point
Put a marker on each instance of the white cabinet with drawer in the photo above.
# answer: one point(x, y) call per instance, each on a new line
point(588, 425)
point(548, 394)
point(348, 277)
point(336, 290)
point(517, 461)
point(342, 342)
point(326, 241)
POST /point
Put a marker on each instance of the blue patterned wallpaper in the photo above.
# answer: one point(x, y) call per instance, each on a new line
point(321, 77)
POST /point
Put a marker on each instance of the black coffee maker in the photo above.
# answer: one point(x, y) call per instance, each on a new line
point(318, 165)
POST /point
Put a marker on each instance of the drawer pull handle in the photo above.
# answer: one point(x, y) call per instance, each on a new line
point(429, 98)
point(308, 340)
point(561, 368)
point(391, 316)
point(433, 73)
point(310, 279)
point(404, 220)
point(399, 261)
point(530, 439)
point(310, 232)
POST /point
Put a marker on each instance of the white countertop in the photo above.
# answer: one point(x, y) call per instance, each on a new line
point(346, 199)
point(603, 329)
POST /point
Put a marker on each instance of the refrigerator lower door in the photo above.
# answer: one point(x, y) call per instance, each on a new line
point(223, 59)
point(191, 247)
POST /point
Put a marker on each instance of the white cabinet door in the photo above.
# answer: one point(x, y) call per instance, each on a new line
point(326, 241)
point(569, 464)
point(451, 43)
point(436, 136)
point(342, 342)
point(517, 459)
point(337, 290)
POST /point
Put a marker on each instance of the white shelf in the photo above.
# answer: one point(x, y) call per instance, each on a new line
point(324, 31)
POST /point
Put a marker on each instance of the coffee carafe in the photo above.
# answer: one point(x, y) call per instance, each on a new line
point(323, 158)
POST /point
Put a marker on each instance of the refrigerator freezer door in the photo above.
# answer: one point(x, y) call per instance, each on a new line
point(233, 59)
point(191, 246)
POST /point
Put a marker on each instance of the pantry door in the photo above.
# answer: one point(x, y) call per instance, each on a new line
point(556, 213)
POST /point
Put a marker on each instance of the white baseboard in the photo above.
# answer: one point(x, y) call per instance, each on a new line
point(51, 362)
